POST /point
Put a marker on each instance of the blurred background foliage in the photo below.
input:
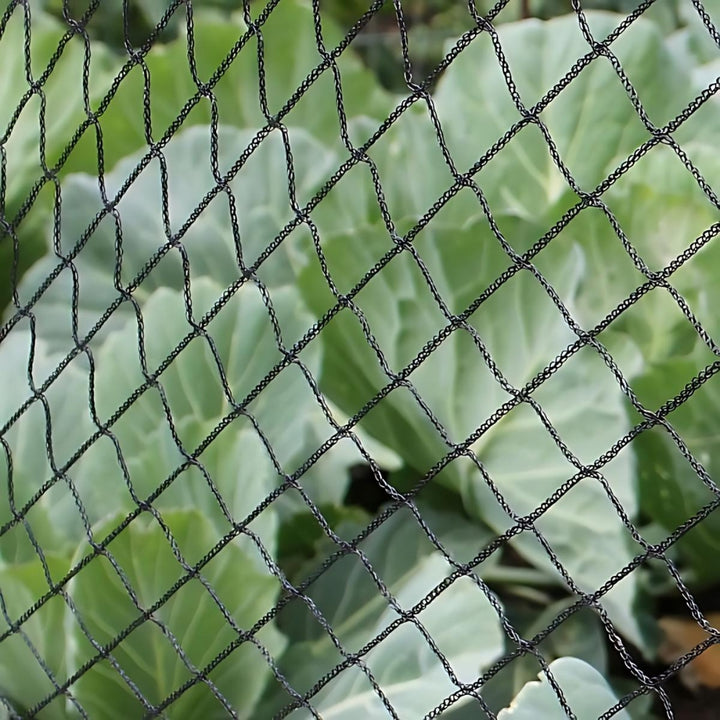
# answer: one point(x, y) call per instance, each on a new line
point(431, 23)
point(116, 27)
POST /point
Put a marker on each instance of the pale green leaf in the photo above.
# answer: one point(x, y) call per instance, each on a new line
point(406, 667)
point(141, 450)
point(286, 411)
point(289, 55)
point(181, 637)
point(23, 679)
point(671, 491)
point(523, 331)
point(580, 635)
point(62, 91)
point(23, 153)
point(661, 210)
point(259, 203)
point(592, 121)
point(694, 38)
point(586, 692)
point(46, 434)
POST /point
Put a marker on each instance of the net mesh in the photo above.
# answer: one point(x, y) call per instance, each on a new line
point(326, 397)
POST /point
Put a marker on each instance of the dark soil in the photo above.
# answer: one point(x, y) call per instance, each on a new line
point(703, 705)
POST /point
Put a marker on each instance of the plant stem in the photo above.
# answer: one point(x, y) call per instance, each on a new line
point(504, 575)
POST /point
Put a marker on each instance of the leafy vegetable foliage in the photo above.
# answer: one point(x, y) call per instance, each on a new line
point(586, 693)
point(521, 458)
point(519, 325)
point(22, 675)
point(208, 490)
point(359, 605)
point(182, 396)
point(289, 53)
point(210, 375)
point(287, 56)
point(671, 488)
point(183, 635)
point(56, 106)
point(228, 235)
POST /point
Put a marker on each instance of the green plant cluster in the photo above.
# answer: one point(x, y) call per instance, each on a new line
point(183, 426)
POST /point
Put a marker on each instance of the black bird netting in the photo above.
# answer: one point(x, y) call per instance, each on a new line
point(359, 359)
